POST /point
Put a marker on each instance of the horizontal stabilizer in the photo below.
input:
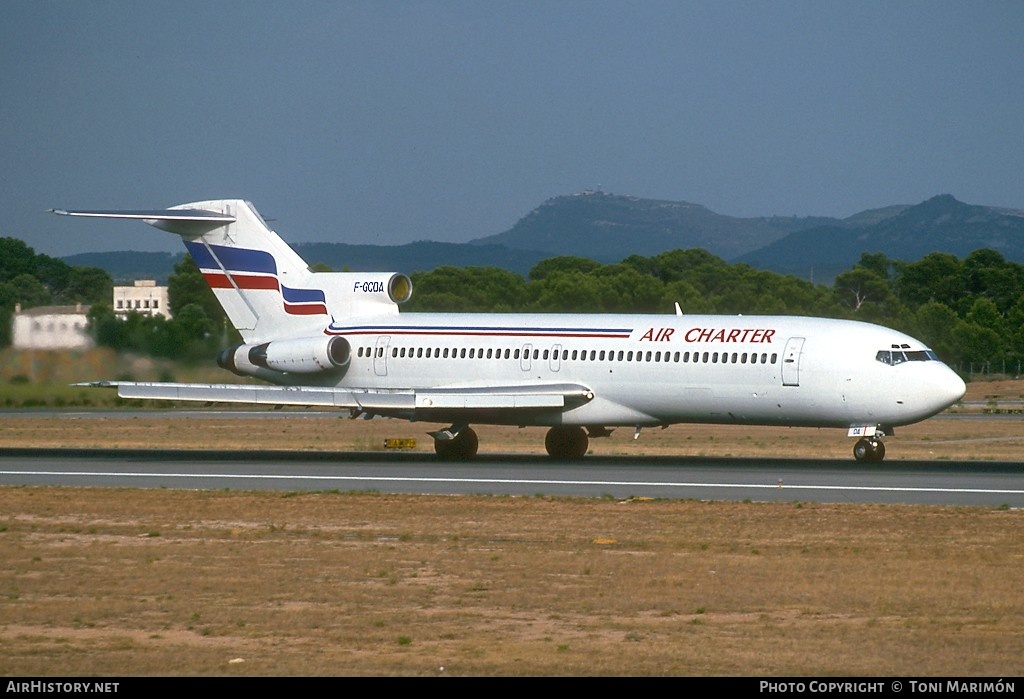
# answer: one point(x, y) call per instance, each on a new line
point(154, 215)
point(190, 223)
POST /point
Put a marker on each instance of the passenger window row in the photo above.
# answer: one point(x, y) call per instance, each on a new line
point(573, 355)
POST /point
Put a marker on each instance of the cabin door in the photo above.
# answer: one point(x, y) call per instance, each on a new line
point(791, 361)
point(524, 360)
point(555, 363)
point(380, 355)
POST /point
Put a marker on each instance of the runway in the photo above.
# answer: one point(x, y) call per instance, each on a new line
point(993, 484)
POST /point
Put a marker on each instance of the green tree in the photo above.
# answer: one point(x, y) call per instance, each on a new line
point(935, 277)
point(560, 292)
point(987, 274)
point(565, 263)
point(934, 324)
point(87, 285)
point(105, 327)
point(985, 314)
point(198, 335)
point(467, 289)
point(16, 258)
point(686, 295)
point(977, 345)
point(6, 325)
point(878, 263)
point(187, 285)
point(623, 289)
point(865, 283)
point(28, 291)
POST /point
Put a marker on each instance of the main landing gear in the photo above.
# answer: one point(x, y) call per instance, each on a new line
point(566, 442)
point(460, 443)
point(457, 443)
point(869, 450)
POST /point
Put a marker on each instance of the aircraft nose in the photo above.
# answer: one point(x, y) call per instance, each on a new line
point(950, 388)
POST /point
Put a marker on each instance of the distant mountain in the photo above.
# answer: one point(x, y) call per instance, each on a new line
point(940, 224)
point(421, 256)
point(608, 227)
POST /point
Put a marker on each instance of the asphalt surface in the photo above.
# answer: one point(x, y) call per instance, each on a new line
point(994, 484)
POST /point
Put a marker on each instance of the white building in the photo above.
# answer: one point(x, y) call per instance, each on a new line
point(143, 297)
point(51, 328)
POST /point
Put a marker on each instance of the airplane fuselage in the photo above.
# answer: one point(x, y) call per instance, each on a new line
point(662, 369)
point(338, 339)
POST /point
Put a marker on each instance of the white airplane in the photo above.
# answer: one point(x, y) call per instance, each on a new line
point(337, 339)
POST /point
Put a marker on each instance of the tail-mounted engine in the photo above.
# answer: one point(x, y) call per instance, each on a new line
point(311, 355)
point(353, 294)
point(384, 287)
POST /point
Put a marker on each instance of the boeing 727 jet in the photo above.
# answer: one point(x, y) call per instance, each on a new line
point(337, 339)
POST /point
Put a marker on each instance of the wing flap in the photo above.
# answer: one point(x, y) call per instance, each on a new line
point(489, 401)
point(518, 397)
point(236, 393)
point(485, 398)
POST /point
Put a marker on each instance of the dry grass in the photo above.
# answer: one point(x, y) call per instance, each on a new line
point(939, 438)
point(155, 582)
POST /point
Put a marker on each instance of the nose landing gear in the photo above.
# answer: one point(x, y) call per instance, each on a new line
point(869, 450)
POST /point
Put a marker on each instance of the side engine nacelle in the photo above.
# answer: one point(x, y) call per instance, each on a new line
point(308, 355)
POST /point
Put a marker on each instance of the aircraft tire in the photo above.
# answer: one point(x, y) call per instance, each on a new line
point(462, 448)
point(869, 450)
point(566, 442)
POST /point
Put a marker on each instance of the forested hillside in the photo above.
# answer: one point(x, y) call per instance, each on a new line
point(970, 309)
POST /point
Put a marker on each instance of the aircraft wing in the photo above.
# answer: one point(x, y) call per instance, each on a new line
point(434, 401)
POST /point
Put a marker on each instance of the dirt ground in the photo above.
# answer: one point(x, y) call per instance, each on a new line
point(1000, 439)
point(117, 582)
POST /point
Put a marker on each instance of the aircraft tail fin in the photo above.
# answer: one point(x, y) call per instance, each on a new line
point(265, 287)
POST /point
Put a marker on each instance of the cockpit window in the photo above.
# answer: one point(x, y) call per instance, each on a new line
point(898, 356)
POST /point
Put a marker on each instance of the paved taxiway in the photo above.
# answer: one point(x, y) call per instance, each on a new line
point(770, 480)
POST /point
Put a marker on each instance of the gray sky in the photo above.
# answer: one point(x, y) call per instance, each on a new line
point(388, 122)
